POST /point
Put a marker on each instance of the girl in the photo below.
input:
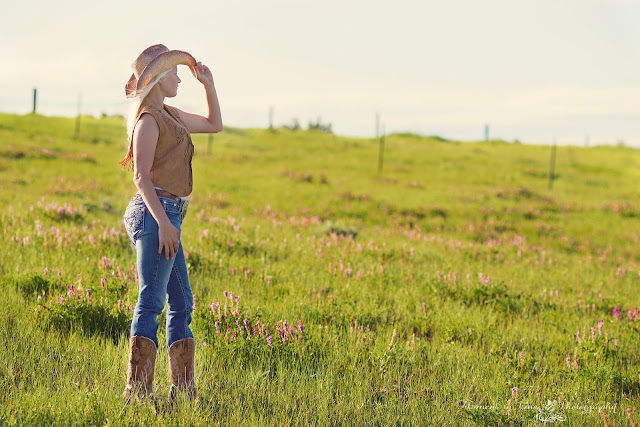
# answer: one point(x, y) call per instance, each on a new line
point(160, 153)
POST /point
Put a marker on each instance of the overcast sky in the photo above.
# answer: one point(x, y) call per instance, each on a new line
point(532, 70)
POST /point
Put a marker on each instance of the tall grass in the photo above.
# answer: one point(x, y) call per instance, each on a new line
point(453, 289)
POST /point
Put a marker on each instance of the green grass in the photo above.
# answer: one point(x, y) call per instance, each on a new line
point(427, 293)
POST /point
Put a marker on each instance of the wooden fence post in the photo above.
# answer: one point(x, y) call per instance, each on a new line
point(271, 118)
point(552, 164)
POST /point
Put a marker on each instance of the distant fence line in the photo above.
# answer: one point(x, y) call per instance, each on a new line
point(328, 127)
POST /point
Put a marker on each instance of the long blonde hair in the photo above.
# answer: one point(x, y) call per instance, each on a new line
point(136, 102)
point(134, 109)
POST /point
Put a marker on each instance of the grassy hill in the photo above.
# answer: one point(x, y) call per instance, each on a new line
point(453, 288)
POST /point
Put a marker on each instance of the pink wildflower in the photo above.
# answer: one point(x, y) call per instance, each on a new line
point(616, 312)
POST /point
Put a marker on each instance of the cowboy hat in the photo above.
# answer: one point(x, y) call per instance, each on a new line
point(153, 61)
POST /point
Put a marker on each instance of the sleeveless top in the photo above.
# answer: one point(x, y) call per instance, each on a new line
point(171, 169)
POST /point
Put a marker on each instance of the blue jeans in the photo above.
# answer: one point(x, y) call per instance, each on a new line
point(160, 279)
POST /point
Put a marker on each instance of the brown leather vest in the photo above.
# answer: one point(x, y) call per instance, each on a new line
point(171, 169)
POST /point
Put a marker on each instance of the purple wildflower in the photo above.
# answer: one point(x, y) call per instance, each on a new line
point(616, 312)
point(217, 328)
point(270, 341)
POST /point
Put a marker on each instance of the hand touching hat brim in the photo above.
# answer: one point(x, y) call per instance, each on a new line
point(161, 63)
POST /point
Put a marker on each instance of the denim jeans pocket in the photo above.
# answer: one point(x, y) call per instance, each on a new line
point(134, 221)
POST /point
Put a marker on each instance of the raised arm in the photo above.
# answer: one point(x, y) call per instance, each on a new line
point(212, 123)
point(145, 139)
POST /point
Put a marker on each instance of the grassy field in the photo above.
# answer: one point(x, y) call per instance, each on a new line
point(454, 288)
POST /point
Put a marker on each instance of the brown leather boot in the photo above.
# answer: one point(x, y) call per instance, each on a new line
point(181, 358)
point(142, 361)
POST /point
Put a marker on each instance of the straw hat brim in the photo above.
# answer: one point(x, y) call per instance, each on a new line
point(161, 63)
